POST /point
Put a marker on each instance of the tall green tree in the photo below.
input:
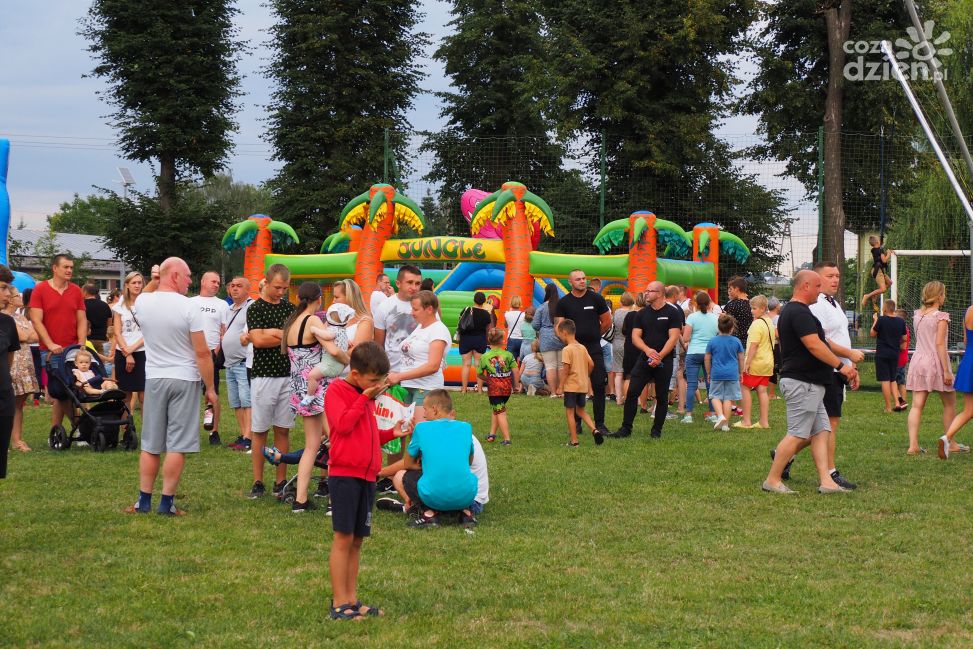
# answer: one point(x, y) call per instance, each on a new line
point(496, 129)
point(343, 73)
point(172, 79)
point(651, 81)
point(807, 80)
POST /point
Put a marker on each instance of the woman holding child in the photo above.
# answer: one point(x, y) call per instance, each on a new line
point(423, 352)
point(303, 345)
point(361, 327)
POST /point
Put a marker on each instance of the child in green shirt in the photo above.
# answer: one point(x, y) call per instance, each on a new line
point(496, 368)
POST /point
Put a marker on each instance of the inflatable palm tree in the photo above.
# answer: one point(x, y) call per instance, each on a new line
point(519, 211)
point(379, 211)
point(258, 236)
point(644, 232)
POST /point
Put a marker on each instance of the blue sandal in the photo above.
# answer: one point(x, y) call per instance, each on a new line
point(271, 453)
point(372, 611)
point(346, 612)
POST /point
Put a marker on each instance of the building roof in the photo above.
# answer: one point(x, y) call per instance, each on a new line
point(76, 244)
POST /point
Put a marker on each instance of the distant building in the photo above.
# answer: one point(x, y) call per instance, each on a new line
point(103, 269)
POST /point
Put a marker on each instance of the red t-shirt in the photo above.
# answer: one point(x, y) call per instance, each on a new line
point(60, 311)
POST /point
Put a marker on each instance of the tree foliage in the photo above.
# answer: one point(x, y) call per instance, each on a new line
point(171, 74)
point(496, 129)
point(88, 215)
point(343, 73)
point(654, 79)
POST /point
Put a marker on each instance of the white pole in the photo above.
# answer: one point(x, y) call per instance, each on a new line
point(894, 289)
point(894, 64)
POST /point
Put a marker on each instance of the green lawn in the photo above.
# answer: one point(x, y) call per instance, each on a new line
point(636, 543)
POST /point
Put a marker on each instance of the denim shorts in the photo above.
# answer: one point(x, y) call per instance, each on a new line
point(416, 395)
point(237, 385)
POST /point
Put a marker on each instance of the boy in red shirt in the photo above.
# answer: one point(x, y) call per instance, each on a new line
point(355, 460)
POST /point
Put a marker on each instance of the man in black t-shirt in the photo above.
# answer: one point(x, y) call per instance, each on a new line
point(806, 368)
point(591, 318)
point(98, 314)
point(655, 334)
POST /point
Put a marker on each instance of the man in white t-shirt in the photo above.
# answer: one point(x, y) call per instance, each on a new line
point(212, 310)
point(835, 324)
point(236, 355)
point(393, 318)
point(176, 358)
point(383, 290)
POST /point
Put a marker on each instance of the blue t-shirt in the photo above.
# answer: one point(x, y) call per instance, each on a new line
point(444, 446)
point(724, 363)
point(704, 330)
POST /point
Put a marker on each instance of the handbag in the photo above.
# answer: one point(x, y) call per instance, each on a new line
point(465, 321)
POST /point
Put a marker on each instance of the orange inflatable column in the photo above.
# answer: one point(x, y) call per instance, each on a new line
point(713, 255)
point(642, 262)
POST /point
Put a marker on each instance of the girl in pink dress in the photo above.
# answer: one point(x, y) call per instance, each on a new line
point(930, 370)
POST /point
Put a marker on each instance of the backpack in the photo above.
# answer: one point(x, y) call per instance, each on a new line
point(466, 321)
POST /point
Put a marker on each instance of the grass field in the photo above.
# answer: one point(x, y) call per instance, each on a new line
point(638, 542)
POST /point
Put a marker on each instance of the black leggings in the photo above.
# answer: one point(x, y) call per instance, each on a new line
point(641, 377)
point(6, 428)
point(599, 378)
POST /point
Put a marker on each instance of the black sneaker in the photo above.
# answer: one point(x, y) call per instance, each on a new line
point(622, 432)
point(422, 520)
point(214, 439)
point(385, 486)
point(258, 490)
point(279, 487)
point(467, 520)
point(786, 473)
point(841, 482)
point(390, 505)
point(322, 490)
point(599, 437)
point(655, 434)
point(644, 411)
point(236, 444)
point(306, 506)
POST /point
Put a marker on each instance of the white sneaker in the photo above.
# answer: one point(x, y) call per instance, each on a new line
point(712, 419)
point(725, 428)
point(688, 419)
point(721, 423)
point(531, 390)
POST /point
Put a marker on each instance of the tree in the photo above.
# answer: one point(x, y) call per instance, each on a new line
point(436, 223)
point(172, 80)
point(344, 73)
point(88, 215)
point(496, 130)
point(649, 81)
point(801, 86)
point(141, 234)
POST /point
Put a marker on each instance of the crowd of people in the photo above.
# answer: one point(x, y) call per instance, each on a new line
point(333, 364)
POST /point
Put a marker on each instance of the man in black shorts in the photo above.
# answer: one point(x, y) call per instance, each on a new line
point(655, 334)
point(591, 319)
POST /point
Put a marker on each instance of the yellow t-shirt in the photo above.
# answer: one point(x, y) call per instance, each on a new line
point(576, 357)
point(761, 332)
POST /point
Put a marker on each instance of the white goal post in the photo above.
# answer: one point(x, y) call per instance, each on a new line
point(894, 264)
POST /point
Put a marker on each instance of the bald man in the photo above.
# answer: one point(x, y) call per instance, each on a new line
point(655, 334)
point(806, 369)
point(213, 310)
point(177, 361)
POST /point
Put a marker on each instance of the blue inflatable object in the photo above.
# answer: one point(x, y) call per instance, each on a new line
point(21, 280)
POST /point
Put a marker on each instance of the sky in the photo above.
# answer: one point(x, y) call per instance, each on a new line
point(61, 143)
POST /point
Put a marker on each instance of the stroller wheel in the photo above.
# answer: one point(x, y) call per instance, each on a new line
point(98, 441)
point(58, 438)
point(288, 498)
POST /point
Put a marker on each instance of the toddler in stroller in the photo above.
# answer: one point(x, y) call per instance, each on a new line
point(97, 412)
point(289, 492)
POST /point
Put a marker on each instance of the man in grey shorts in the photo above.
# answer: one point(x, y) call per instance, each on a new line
point(176, 357)
point(806, 368)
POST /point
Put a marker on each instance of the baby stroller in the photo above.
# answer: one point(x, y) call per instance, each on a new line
point(289, 492)
point(98, 424)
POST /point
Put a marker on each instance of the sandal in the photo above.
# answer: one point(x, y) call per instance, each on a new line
point(272, 455)
point(370, 611)
point(921, 451)
point(491, 438)
point(346, 612)
point(22, 447)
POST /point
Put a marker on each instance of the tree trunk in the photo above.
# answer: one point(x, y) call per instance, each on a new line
point(167, 182)
point(837, 17)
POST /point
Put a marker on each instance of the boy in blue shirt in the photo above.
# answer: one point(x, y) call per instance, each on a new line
point(724, 365)
point(437, 475)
